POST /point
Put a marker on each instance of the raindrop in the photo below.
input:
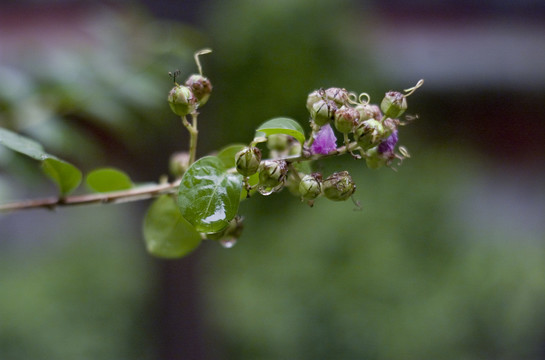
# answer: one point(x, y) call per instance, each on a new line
point(265, 190)
point(228, 243)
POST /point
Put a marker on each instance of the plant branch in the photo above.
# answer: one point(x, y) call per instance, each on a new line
point(135, 194)
point(144, 192)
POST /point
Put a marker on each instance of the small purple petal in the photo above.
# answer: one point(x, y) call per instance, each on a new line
point(388, 145)
point(324, 141)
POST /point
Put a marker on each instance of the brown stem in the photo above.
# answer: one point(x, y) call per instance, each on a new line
point(136, 194)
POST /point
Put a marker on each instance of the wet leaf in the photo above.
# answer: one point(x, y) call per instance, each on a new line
point(209, 196)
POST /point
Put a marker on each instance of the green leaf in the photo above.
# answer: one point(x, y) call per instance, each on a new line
point(227, 154)
point(208, 196)
point(282, 125)
point(22, 144)
point(65, 175)
point(108, 179)
point(166, 233)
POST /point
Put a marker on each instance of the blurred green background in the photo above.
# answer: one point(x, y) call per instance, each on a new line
point(445, 260)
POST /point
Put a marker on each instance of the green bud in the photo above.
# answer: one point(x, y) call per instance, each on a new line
point(339, 186)
point(374, 159)
point(314, 97)
point(345, 119)
point(200, 86)
point(295, 148)
point(310, 186)
point(179, 163)
point(181, 100)
point(394, 104)
point(369, 133)
point(366, 111)
point(338, 95)
point(278, 142)
point(323, 111)
point(272, 173)
point(389, 126)
point(247, 161)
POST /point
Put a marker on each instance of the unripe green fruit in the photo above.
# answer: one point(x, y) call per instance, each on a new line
point(200, 86)
point(345, 119)
point(310, 186)
point(366, 111)
point(247, 161)
point(338, 95)
point(369, 133)
point(181, 100)
point(314, 97)
point(272, 173)
point(374, 159)
point(394, 104)
point(339, 186)
point(323, 111)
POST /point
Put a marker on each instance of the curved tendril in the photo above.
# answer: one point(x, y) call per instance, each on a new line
point(353, 98)
point(364, 95)
point(196, 56)
point(409, 91)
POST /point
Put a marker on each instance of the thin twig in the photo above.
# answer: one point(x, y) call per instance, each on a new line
point(135, 194)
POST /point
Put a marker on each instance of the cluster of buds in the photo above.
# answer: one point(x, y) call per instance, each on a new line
point(187, 98)
point(373, 128)
point(369, 129)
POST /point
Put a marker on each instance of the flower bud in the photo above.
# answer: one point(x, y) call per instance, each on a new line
point(338, 95)
point(390, 126)
point(339, 186)
point(200, 86)
point(323, 111)
point(369, 133)
point(181, 100)
point(374, 159)
point(278, 142)
point(310, 186)
point(394, 104)
point(272, 173)
point(314, 97)
point(247, 161)
point(366, 111)
point(179, 163)
point(345, 119)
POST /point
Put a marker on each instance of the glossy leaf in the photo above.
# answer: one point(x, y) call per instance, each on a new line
point(208, 196)
point(227, 154)
point(166, 233)
point(108, 179)
point(65, 175)
point(22, 144)
point(282, 125)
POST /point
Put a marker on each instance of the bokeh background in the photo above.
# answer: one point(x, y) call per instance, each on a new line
point(445, 260)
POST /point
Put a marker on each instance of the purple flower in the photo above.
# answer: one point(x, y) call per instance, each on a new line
point(324, 141)
point(388, 145)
